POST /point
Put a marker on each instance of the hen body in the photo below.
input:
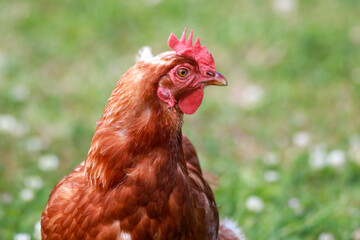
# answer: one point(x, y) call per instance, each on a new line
point(179, 205)
point(141, 179)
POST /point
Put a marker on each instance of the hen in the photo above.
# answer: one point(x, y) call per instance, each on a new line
point(142, 179)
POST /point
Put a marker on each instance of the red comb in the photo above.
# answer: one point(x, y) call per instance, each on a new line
point(196, 51)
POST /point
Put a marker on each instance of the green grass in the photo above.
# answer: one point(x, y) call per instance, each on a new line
point(68, 55)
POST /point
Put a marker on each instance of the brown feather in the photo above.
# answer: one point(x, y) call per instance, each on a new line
point(141, 179)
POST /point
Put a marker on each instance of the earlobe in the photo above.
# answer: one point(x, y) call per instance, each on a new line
point(164, 94)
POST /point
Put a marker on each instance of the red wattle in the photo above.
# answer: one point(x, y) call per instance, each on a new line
point(192, 101)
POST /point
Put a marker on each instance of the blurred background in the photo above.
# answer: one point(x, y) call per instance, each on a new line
point(283, 137)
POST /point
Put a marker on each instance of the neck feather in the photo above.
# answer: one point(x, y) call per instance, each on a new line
point(134, 126)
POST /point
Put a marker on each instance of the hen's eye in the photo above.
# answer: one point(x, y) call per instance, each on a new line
point(210, 73)
point(182, 72)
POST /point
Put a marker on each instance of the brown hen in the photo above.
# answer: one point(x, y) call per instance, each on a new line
point(142, 179)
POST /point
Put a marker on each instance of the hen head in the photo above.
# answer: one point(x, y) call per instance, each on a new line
point(173, 80)
point(184, 83)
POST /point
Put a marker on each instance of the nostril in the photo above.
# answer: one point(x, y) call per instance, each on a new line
point(209, 73)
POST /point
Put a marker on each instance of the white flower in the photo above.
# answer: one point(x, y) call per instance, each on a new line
point(284, 6)
point(317, 158)
point(35, 144)
point(336, 158)
point(301, 139)
point(20, 92)
point(33, 182)
point(294, 203)
point(254, 204)
point(250, 95)
point(37, 230)
point(22, 236)
point(6, 198)
point(271, 176)
point(326, 236)
point(27, 194)
point(48, 162)
point(9, 124)
point(271, 159)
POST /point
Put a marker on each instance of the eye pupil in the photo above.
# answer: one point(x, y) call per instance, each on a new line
point(182, 72)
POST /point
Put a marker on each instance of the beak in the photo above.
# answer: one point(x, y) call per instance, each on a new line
point(217, 79)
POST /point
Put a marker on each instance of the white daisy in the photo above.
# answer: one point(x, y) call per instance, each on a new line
point(254, 204)
point(20, 92)
point(301, 139)
point(336, 158)
point(271, 176)
point(27, 194)
point(271, 158)
point(9, 124)
point(37, 230)
point(294, 203)
point(48, 162)
point(33, 182)
point(285, 6)
point(22, 236)
point(317, 158)
point(250, 95)
point(35, 144)
point(326, 236)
